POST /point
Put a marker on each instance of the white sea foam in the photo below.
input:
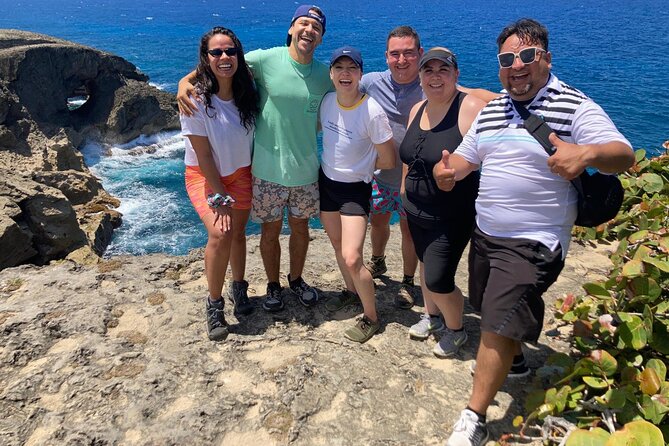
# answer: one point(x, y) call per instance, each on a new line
point(165, 86)
point(146, 174)
point(151, 217)
point(146, 147)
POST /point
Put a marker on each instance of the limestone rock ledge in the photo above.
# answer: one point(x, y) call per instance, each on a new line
point(116, 354)
point(50, 203)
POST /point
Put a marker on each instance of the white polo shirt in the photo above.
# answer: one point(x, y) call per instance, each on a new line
point(519, 196)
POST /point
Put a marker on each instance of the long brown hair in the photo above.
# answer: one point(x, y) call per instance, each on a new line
point(244, 91)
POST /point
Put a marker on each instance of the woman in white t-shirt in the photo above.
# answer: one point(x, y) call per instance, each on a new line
point(219, 138)
point(356, 140)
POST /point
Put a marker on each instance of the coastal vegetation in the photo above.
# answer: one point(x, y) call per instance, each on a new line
point(614, 389)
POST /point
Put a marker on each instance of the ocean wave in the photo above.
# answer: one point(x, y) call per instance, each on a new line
point(146, 147)
point(166, 86)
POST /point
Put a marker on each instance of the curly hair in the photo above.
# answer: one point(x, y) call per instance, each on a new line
point(244, 91)
point(529, 31)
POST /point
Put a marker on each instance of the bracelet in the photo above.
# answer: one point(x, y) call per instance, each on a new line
point(216, 200)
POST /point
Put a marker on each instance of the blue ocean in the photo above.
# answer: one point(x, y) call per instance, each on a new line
point(615, 51)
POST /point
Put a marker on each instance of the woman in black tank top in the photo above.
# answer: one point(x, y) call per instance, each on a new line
point(440, 222)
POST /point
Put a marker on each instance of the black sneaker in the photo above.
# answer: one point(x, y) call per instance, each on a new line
point(217, 327)
point(237, 293)
point(307, 295)
point(274, 300)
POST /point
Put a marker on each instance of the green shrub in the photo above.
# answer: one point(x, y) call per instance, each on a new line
point(615, 387)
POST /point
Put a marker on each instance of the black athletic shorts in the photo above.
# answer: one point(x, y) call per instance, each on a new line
point(440, 246)
point(345, 198)
point(507, 278)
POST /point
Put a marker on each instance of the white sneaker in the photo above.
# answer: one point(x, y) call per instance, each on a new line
point(468, 431)
point(425, 326)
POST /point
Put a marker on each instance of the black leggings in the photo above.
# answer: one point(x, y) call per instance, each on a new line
point(440, 246)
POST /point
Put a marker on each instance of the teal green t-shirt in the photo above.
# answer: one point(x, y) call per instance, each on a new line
point(285, 148)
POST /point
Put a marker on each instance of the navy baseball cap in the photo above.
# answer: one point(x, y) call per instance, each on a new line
point(311, 11)
point(347, 51)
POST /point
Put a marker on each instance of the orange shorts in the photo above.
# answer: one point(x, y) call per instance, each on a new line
point(238, 185)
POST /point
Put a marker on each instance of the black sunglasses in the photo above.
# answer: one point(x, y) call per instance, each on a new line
point(217, 52)
point(526, 56)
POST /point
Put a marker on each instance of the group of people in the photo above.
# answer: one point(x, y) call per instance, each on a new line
point(456, 164)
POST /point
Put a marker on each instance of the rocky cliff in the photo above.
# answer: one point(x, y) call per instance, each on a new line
point(117, 354)
point(51, 206)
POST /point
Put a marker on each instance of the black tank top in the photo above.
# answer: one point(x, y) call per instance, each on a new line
point(421, 150)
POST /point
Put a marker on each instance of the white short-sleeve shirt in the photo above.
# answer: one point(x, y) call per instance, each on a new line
point(519, 196)
point(231, 144)
point(349, 135)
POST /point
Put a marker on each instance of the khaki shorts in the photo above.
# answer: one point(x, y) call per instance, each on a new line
point(270, 199)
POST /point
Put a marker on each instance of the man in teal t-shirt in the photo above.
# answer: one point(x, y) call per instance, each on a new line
point(285, 164)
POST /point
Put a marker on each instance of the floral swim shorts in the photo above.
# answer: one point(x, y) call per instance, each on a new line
point(270, 199)
point(386, 199)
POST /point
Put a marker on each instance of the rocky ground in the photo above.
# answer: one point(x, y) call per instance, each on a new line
point(116, 353)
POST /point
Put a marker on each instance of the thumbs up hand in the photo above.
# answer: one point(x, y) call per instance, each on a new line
point(444, 175)
point(569, 160)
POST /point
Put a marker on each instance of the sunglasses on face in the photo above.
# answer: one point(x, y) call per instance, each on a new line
point(217, 52)
point(526, 56)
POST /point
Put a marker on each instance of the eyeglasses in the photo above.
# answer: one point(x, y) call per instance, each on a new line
point(526, 56)
point(408, 54)
point(217, 52)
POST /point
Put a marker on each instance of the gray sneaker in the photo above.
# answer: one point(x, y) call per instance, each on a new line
point(238, 294)
point(425, 326)
point(468, 431)
point(274, 300)
point(306, 294)
point(450, 343)
point(217, 327)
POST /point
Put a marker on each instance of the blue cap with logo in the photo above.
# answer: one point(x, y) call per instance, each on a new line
point(311, 11)
point(347, 51)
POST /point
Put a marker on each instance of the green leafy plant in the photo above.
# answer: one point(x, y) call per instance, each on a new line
point(614, 390)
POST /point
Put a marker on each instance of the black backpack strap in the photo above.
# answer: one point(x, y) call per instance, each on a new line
point(536, 127)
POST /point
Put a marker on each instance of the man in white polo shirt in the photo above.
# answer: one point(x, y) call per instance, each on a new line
point(526, 205)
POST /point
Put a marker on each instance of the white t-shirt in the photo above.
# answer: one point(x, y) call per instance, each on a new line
point(230, 142)
point(349, 135)
point(519, 197)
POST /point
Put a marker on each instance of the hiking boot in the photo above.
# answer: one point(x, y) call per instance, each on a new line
point(519, 369)
point(450, 343)
point(237, 293)
point(427, 325)
point(363, 330)
point(274, 300)
point(405, 299)
point(217, 327)
point(468, 431)
point(344, 299)
point(307, 295)
point(377, 266)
